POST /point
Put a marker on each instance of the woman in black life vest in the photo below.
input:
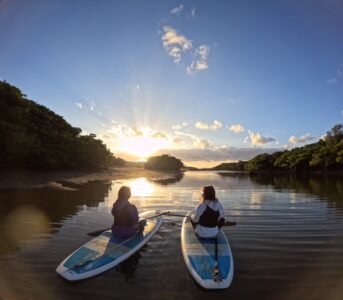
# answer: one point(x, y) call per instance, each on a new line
point(209, 215)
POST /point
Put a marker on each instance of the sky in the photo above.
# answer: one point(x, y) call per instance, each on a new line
point(206, 81)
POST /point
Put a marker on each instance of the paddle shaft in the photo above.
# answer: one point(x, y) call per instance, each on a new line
point(166, 213)
point(226, 223)
point(97, 232)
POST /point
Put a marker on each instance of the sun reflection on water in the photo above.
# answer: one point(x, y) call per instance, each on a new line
point(141, 187)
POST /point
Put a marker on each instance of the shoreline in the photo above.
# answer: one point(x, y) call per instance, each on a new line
point(69, 180)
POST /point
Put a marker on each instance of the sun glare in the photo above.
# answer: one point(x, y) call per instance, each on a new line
point(143, 146)
point(141, 187)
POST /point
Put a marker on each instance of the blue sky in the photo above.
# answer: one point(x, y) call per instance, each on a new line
point(181, 73)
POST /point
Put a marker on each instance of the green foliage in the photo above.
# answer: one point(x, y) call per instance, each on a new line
point(164, 163)
point(232, 166)
point(34, 137)
point(325, 155)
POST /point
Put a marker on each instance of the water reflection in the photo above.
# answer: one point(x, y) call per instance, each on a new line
point(256, 199)
point(328, 187)
point(35, 213)
point(288, 234)
point(141, 187)
point(175, 178)
point(129, 266)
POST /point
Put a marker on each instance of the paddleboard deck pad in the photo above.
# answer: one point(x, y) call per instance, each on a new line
point(106, 251)
point(199, 257)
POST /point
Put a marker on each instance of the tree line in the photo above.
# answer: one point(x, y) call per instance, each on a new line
point(34, 137)
point(326, 155)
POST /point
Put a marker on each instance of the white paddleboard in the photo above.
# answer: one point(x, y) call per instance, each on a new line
point(106, 251)
point(199, 256)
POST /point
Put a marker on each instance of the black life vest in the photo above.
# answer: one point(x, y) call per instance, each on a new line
point(209, 217)
point(123, 214)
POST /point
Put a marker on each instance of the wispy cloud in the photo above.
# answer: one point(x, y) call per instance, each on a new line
point(175, 43)
point(200, 62)
point(198, 142)
point(176, 10)
point(236, 128)
point(203, 125)
point(179, 126)
point(257, 139)
point(90, 107)
point(300, 140)
point(337, 77)
point(193, 12)
point(332, 80)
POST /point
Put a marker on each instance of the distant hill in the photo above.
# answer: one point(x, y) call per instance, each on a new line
point(34, 137)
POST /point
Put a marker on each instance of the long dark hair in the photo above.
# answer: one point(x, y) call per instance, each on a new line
point(209, 193)
point(124, 193)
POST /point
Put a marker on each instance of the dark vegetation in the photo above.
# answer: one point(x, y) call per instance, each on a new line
point(32, 137)
point(324, 156)
point(232, 166)
point(163, 163)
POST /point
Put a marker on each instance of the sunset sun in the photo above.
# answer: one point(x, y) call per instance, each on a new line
point(143, 146)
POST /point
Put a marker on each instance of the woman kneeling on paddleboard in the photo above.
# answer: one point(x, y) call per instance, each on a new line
point(125, 215)
point(209, 215)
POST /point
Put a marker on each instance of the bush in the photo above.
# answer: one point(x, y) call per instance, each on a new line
point(164, 163)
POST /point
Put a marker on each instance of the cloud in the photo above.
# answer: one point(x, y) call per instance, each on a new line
point(257, 139)
point(201, 125)
point(176, 10)
point(91, 107)
point(159, 135)
point(79, 105)
point(300, 140)
point(332, 80)
point(342, 112)
point(179, 126)
point(175, 53)
point(175, 43)
point(198, 142)
point(202, 144)
point(204, 126)
point(200, 62)
point(236, 128)
point(88, 106)
point(177, 140)
point(193, 11)
point(337, 77)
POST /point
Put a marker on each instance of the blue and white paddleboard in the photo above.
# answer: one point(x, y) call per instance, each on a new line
point(199, 256)
point(106, 251)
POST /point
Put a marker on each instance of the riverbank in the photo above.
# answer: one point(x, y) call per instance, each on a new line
point(71, 179)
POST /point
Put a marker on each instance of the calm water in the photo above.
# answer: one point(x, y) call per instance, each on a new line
point(288, 243)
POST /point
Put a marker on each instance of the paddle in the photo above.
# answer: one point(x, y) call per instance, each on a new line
point(166, 213)
point(226, 223)
point(100, 231)
point(216, 273)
